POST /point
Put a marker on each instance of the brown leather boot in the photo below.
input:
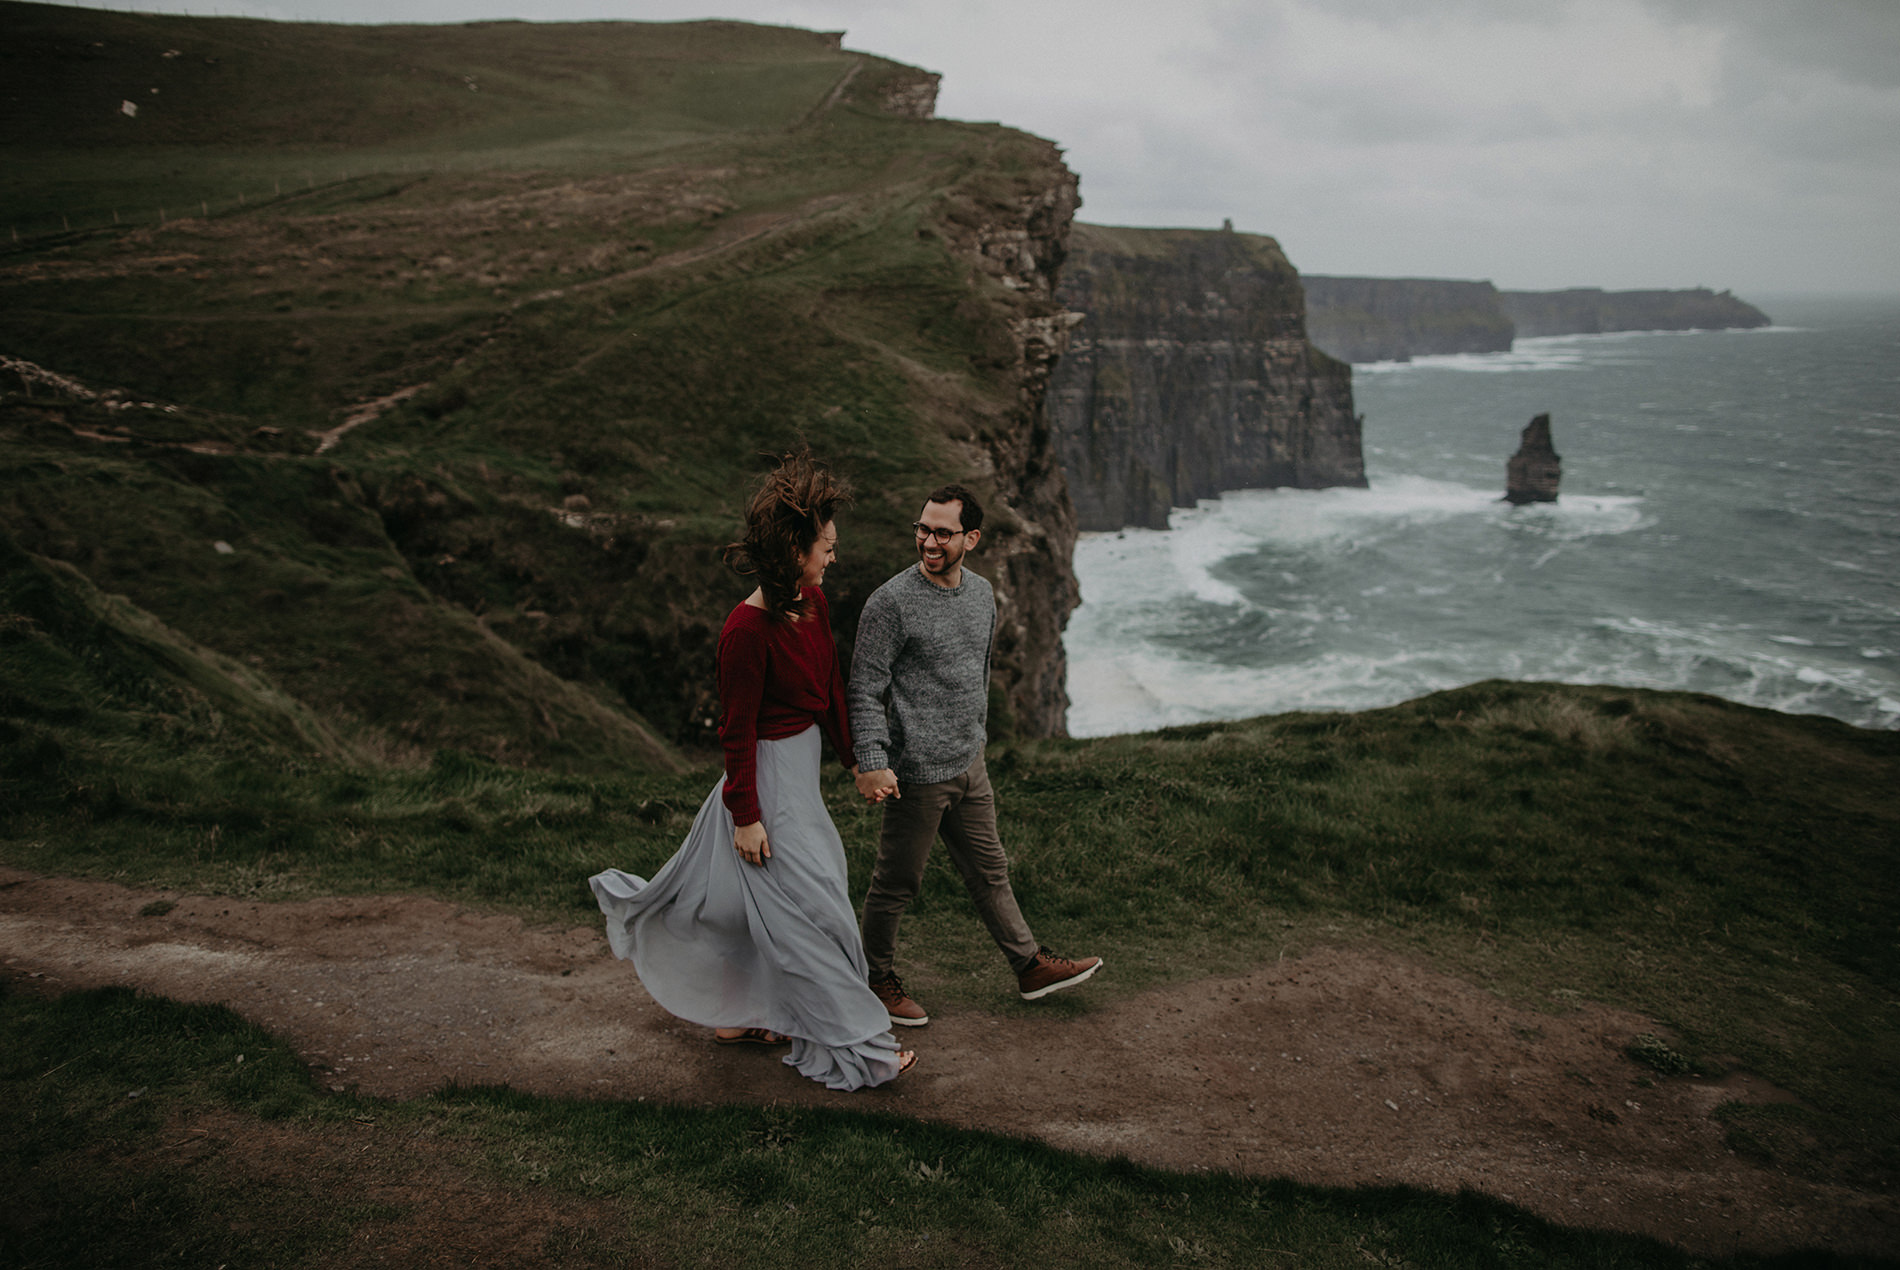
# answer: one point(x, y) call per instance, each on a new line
point(904, 1011)
point(1050, 973)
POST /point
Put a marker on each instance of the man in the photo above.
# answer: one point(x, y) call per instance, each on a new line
point(919, 697)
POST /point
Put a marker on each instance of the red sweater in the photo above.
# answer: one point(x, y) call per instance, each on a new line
point(776, 678)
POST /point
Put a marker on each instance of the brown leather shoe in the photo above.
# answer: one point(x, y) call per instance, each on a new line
point(904, 1011)
point(1050, 973)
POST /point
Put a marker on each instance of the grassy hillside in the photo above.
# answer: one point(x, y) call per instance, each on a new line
point(471, 378)
point(1726, 870)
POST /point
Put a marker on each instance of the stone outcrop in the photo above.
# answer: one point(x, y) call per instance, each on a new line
point(1591, 310)
point(1532, 474)
point(912, 96)
point(1189, 373)
point(1396, 319)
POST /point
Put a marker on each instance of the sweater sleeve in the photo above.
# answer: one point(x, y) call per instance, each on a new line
point(836, 720)
point(743, 664)
point(880, 635)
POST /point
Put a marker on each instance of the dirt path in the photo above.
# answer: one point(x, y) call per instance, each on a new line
point(1339, 1068)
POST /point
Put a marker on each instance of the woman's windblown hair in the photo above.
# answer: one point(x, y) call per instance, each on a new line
point(794, 502)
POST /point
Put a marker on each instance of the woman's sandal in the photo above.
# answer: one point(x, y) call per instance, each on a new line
point(753, 1036)
point(906, 1059)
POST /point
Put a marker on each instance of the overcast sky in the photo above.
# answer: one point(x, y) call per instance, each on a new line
point(1748, 144)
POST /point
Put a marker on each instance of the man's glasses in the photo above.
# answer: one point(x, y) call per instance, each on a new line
point(928, 531)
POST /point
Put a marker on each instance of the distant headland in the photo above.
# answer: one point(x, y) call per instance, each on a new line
point(1396, 319)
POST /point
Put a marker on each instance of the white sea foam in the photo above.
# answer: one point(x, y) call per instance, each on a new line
point(1132, 665)
point(1555, 353)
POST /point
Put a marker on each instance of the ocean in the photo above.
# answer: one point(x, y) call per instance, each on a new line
point(1729, 523)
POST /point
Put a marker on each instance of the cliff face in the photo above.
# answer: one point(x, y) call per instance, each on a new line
point(1590, 310)
point(1016, 240)
point(1190, 373)
point(1395, 319)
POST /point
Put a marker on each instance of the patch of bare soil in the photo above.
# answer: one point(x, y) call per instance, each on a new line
point(1340, 1068)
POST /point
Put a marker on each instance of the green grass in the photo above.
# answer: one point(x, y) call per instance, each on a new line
point(634, 265)
point(1726, 870)
point(144, 1132)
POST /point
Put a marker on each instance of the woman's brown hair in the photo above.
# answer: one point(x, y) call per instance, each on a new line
point(791, 507)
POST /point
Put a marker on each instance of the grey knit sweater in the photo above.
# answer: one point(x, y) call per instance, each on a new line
point(920, 676)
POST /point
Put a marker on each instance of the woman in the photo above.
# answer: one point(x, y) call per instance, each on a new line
point(748, 928)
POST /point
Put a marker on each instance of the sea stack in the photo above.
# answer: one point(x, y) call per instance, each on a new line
point(1533, 472)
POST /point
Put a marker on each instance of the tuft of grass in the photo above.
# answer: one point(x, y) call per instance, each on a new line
point(147, 1132)
point(1655, 1053)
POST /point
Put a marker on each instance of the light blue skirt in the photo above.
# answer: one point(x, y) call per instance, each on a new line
point(723, 943)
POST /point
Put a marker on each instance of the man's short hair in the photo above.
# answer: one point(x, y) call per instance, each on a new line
point(972, 513)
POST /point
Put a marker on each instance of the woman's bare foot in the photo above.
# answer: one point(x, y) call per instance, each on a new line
point(906, 1059)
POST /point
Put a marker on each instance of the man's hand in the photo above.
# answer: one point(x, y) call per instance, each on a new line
point(879, 785)
point(750, 840)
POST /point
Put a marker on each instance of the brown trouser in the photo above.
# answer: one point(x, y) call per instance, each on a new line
point(963, 811)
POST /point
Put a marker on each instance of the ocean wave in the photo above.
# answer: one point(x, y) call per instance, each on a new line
point(1518, 359)
point(1184, 559)
point(1120, 688)
point(1578, 351)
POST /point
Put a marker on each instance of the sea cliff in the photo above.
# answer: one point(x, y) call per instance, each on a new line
point(1396, 319)
point(1591, 310)
point(1189, 373)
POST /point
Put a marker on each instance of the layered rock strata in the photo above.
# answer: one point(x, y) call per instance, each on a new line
point(1189, 373)
point(1396, 319)
point(1533, 472)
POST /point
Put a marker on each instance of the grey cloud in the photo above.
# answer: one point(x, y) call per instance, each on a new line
point(1855, 40)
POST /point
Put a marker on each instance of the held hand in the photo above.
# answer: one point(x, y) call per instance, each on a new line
point(750, 842)
point(879, 785)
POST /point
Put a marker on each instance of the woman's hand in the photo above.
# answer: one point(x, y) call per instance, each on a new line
point(879, 785)
point(751, 843)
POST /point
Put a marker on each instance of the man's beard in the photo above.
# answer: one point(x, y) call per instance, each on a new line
point(951, 558)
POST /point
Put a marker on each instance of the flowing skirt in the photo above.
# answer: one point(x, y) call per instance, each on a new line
point(723, 943)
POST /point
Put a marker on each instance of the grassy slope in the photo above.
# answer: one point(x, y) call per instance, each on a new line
point(631, 265)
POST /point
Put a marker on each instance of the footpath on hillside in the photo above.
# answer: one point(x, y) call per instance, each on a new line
point(1339, 1068)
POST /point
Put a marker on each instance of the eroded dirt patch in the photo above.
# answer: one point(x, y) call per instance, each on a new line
point(1340, 1068)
